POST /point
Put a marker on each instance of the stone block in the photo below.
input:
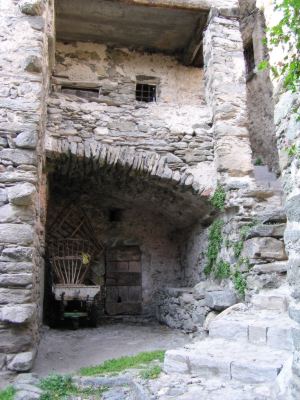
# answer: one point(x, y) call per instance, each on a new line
point(18, 314)
point(21, 194)
point(3, 196)
point(276, 230)
point(176, 362)
point(264, 248)
point(15, 280)
point(257, 334)
point(22, 362)
point(241, 164)
point(292, 206)
point(11, 213)
point(277, 267)
point(26, 140)
point(14, 296)
point(220, 299)
point(31, 7)
point(270, 302)
point(19, 156)
point(228, 329)
point(15, 267)
point(14, 341)
point(256, 372)
point(21, 234)
point(17, 253)
point(280, 338)
point(294, 312)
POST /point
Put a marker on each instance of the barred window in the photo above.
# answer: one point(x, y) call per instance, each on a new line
point(145, 92)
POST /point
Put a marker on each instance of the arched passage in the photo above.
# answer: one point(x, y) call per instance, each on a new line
point(142, 221)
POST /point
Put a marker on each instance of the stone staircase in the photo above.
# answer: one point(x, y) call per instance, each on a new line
point(245, 351)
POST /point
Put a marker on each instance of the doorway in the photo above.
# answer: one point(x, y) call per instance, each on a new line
point(123, 280)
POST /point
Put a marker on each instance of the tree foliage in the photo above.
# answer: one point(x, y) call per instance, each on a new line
point(286, 33)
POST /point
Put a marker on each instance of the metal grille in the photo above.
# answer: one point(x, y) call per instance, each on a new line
point(145, 92)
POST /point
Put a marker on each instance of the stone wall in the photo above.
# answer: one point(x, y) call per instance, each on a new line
point(259, 90)
point(287, 133)
point(177, 127)
point(24, 30)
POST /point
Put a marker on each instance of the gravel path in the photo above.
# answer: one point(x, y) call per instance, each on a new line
point(65, 351)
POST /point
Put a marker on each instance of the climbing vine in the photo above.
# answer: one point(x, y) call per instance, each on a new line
point(214, 245)
point(287, 34)
point(218, 198)
point(221, 269)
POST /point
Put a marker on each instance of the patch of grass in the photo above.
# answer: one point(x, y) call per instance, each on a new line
point(8, 393)
point(58, 387)
point(123, 363)
point(151, 372)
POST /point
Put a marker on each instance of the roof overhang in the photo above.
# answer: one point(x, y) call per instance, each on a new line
point(165, 26)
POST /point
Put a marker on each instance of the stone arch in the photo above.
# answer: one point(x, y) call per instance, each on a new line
point(94, 155)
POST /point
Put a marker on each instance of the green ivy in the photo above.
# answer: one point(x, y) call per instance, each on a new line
point(286, 32)
point(239, 281)
point(218, 198)
point(222, 270)
point(293, 151)
point(214, 245)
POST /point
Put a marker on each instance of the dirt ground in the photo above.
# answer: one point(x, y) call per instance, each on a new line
point(65, 351)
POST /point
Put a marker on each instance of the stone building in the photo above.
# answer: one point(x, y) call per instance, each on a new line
point(143, 118)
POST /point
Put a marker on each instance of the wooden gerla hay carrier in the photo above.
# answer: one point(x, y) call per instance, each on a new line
point(72, 247)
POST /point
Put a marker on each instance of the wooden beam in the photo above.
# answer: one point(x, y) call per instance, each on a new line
point(193, 5)
point(193, 54)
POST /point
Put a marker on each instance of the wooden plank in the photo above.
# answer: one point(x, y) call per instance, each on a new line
point(123, 278)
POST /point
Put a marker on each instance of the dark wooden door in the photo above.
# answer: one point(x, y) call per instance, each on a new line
point(123, 281)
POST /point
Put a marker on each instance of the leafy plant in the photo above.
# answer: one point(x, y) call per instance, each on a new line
point(214, 245)
point(240, 283)
point(258, 161)
point(222, 270)
point(8, 393)
point(58, 387)
point(238, 248)
point(123, 363)
point(218, 198)
point(287, 33)
point(293, 151)
point(151, 372)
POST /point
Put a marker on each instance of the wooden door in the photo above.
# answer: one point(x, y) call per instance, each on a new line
point(123, 281)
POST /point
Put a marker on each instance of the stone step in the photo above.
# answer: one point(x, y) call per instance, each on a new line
point(230, 360)
point(272, 299)
point(215, 389)
point(254, 326)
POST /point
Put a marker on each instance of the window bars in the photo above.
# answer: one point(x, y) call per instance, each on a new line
point(145, 92)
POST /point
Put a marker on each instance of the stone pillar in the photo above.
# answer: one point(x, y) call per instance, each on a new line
point(226, 95)
point(23, 82)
